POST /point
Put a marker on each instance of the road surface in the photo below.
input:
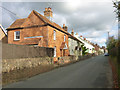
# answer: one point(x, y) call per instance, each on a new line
point(94, 72)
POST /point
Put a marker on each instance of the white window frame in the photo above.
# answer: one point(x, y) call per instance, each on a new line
point(64, 38)
point(54, 35)
point(55, 51)
point(15, 35)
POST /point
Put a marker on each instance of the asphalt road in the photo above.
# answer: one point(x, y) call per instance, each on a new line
point(91, 73)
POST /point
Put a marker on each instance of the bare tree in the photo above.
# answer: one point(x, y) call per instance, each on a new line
point(116, 4)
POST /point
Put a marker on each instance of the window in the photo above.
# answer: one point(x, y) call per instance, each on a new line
point(54, 35)
point(64, 38)
point(54, 51)
point(76, 48)
point(80, 48)
point(17, 35)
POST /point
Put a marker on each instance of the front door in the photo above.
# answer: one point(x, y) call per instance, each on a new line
point(63, 52)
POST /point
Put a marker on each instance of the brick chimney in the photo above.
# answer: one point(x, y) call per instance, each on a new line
point(48, 13)
point(65, 27)
point(85, 39)
point(76, 35)
point(72, 32)
point(81, 37)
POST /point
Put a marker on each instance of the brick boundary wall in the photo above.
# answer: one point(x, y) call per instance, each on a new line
point(12, 51)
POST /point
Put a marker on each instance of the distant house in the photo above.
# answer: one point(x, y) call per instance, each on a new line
point(41, 31)
point(75, 45)
point(3, 34)
point(97, 49)
point(87, 44)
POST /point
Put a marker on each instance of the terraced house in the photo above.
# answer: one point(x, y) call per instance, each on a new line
point(41, 31)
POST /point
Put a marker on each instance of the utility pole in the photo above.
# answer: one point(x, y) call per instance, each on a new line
point(108, 35)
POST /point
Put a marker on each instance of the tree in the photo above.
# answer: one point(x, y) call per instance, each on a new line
point(116, 4)
point(84, 49)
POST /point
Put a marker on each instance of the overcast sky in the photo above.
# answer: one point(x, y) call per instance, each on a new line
point(90, 18)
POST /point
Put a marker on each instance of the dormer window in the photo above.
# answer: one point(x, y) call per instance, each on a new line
point(17, 35)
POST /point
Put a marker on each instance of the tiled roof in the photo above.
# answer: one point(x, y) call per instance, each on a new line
point(48, 21)
point(17, 23)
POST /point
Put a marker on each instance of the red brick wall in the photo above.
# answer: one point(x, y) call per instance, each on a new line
point(45, 31)
point(47, 40)
point(11, 37)
point(58, 41)
point(29, 32)
point(32, 20)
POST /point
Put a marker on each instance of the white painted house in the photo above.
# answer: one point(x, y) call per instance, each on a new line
point(87, 44)
point(74, 45)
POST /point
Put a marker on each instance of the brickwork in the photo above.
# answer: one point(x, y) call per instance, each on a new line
point(58, 42)
point(35, 26)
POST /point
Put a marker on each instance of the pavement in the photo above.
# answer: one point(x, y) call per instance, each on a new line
point(94, 72)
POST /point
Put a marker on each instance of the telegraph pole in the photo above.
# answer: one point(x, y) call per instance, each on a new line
point(108, 35)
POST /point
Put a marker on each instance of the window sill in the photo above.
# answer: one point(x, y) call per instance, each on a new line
point(17, 40)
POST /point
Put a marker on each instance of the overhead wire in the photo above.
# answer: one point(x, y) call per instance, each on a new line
point(11, 12)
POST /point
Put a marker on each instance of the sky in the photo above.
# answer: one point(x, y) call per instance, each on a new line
point(90, 18)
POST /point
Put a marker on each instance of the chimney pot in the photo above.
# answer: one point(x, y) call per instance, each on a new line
point(63, 25)
point(76, 33)
point(49, 8)
point(46, 9)
point(48, 13)
point(72, 32)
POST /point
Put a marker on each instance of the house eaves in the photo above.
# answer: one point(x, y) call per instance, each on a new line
point(3, 30)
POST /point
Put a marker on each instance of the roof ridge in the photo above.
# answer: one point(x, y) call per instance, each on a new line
point(20, 18)
point(39, 15)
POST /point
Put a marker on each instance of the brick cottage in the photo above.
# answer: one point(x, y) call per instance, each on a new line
point(41, 31)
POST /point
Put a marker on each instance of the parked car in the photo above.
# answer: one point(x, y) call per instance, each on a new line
point(106, 54)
